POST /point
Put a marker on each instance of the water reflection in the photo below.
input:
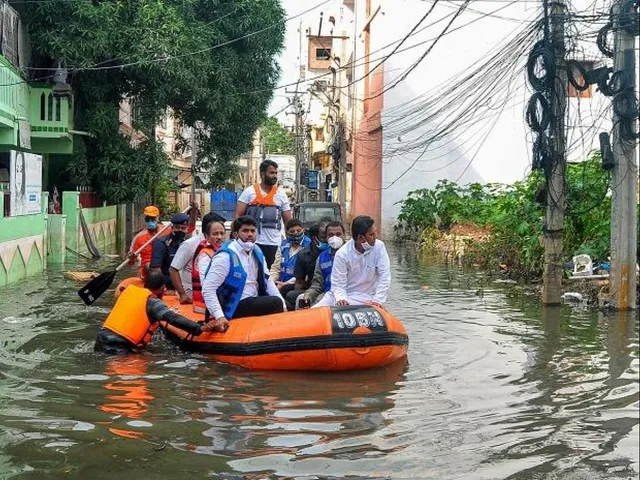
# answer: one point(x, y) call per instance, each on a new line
point(497, 387)
point(266, 413)
point(129, 394)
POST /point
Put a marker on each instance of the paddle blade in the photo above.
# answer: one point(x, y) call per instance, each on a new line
point(96, 287)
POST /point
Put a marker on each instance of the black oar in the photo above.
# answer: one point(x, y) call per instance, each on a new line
point(96, 287)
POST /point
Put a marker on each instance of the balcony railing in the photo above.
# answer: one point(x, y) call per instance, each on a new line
point(50, 115)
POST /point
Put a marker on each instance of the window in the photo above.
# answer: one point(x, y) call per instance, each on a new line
point(571, 91)
point(319, 134)
point(323, 54)
point(319, 53)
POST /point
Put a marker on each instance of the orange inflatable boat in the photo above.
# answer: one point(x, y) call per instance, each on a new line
point(327, 338)
point(336, 338)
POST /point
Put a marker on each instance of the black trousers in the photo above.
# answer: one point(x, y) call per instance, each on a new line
point(269, 253)
point(112, 343)
point(258, 306)
point(290, 297)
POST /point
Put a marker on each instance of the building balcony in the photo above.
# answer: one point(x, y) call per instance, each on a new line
point(51, 121)
point(14, 96)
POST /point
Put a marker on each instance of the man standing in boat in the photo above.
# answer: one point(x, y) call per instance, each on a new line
point(361, 273)
point(237, 282)
point(269, 207)
point(151, 215)
point(136, 315)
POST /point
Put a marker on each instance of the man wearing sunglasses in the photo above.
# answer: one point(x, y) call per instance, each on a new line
point(164, 249)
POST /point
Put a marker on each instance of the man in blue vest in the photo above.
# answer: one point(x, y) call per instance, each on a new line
point(283, 269)
point(237, 283)
point(321, 282)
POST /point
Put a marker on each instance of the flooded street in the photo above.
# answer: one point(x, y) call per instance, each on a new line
point(494, 387)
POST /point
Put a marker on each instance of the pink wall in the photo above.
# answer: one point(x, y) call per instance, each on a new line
point(367, 163)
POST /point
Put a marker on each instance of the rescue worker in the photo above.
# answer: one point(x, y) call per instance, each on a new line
point(151, 215)
point(236, 282)
point(361, 273)
point(321, 282)
point(165, 248)
point(181, 266)
point(135, 316)
point(282, 271)
point(214, 232)
point(269, 207)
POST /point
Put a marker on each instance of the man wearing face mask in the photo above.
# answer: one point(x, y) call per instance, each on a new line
point(282, 271)
point(164, 249)
point(321, 282)
point(151, 215)
point(237, 283)
point(269, 207)
point(361, 273)
point(306, 262)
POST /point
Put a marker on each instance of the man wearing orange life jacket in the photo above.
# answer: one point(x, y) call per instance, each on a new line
point(136, 316)
point(214, 232)
point(151, 215)
point(269, 207)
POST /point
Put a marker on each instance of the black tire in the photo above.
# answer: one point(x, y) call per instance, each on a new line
point(601, 41)
point(574, 64)
point(536, 124)
point(625, 104)
point(618, 82)
point(541, 50)
point(630, 17)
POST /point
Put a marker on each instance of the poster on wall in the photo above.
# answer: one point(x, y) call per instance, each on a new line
point(25, 183)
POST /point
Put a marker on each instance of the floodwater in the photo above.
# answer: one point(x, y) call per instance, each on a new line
point(495, 387)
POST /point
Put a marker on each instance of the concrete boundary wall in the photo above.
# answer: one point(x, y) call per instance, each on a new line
point(22, 244)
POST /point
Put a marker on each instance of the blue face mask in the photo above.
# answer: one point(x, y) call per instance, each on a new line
point(322, 246)
point(151, 224)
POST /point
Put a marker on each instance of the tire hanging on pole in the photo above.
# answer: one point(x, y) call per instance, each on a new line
point(538, 123)
point(542, 52)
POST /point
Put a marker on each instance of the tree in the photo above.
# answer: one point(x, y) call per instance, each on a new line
point(211, 61)
point(277, 138)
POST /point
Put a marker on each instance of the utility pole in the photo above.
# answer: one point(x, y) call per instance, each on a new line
point(554, 219)
point(624, 178)
point(296, 103)
point(194, 147)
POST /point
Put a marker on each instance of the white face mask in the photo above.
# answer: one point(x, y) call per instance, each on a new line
point(246, 246)
point(366, 246)
point(335, 242)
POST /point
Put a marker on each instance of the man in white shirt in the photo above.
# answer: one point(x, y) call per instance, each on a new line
point(361, 273)
point(269, 207)
point(237, 283)
point(181, 265)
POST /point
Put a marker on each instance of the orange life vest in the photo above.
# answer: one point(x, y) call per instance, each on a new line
point(129, 319)
point(196, 282)
point(268, 199)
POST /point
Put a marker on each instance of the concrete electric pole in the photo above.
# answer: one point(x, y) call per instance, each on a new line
point(624, 178)
point(554, 219)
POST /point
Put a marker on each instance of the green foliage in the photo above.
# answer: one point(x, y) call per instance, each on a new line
point(277, 138)
point(515, 219)
point(164, 54)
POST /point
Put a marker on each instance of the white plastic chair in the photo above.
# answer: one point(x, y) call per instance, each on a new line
point(582, 265)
